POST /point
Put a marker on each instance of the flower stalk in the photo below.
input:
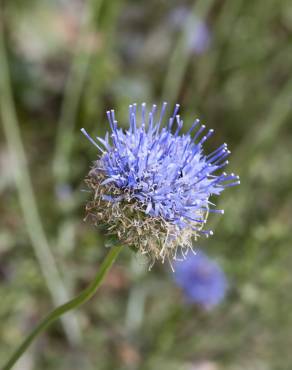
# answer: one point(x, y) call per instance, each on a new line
point(80, 299)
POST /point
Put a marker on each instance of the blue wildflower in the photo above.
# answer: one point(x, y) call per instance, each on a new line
point(201, 279)
point(152, 183)
point(196, 31)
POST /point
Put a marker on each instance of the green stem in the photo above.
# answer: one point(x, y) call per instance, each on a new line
point(26, 195)
point(73, 91)
point(180, 56)
point(83, 297)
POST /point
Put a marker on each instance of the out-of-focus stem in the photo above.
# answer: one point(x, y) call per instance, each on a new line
point(27, 199)
point(136, 300)
point(260, 138)
point(180, 56)
point(83, 297)
point(73, 92)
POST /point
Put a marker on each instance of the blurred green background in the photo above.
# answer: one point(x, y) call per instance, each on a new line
point(62, 64)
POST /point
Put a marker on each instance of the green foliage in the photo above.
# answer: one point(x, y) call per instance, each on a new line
point(64, 76)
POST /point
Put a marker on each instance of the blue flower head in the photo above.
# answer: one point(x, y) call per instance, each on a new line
point(152, 184)
point(201, 279)
point(196, 32)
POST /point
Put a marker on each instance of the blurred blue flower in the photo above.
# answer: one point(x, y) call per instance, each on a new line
point(196, 31)
point(152, 184)
point(201, 279)
point(198, 36)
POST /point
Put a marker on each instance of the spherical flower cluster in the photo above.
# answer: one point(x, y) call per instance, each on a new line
point(201, 279)
point(152, 184)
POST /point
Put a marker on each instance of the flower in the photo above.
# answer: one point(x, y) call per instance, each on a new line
point(201, 279)
point(151, 185)
point(196, 31)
